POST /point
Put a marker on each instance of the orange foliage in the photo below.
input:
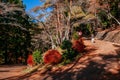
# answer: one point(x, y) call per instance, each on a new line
point(78, 45)
point(30, 60)
point(52, 57)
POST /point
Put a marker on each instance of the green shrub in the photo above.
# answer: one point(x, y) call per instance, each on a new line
point(37, 55)
point(65, 62)
point(76, 36)
point(66, 44)
point(69, 54)
point(105, 21)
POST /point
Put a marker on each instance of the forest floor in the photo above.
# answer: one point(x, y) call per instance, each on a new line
point(7, 71)
point(101, 61)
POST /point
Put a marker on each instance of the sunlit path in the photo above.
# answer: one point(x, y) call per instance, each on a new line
point(10, 70)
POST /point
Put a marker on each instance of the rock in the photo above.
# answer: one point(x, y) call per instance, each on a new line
point(117, 38)
point(100, 35)
point(112, 36)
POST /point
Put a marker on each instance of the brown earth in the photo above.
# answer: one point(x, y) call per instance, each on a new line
point(100, 62)
point(10, 71)
point(112, 35)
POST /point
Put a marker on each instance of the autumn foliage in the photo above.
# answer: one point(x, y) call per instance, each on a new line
point(78, 45)
point(30, 60)
point(52, 57)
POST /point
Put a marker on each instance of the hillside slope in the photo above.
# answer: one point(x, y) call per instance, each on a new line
point(109, 35)
point(100, 62)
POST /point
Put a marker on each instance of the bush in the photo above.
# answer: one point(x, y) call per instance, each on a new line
point(37, 56)
point(69, 54)
point(30, 60)
point(105, 21)
point(52, 57)
point(78, 45)
point(66, 44)
point(76, 36)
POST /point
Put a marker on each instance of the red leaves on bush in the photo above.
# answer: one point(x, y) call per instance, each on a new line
point(30, 60)
point(52, 57)
point(78, 45)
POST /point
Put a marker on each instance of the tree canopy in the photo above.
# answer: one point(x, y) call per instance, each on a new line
point(15, 37)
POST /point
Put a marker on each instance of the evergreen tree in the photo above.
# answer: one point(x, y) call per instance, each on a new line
point(15, 37)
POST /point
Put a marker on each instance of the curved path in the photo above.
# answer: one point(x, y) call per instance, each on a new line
point(10, 71)
point(100, 62)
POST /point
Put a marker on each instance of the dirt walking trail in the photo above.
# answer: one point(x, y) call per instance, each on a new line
point(100, 62)
point(7, 71)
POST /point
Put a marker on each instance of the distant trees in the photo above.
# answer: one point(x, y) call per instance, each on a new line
point(59, 23)
point(108, 13)
point(15, 37)
point(59, 18)
point(19, 2)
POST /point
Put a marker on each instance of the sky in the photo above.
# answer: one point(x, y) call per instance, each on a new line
point(31, 4)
